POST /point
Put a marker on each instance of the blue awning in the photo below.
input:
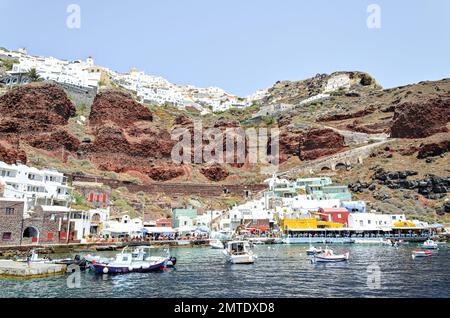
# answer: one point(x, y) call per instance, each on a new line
point(437, 225)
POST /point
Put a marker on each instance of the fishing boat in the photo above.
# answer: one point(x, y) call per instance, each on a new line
point(421, 254)
point(143, 253)
point(34, 258)
point(430, 245)
point(216, 244)
point(138, 260)
point(239, 252)
point(328, 256)
point(313, 251)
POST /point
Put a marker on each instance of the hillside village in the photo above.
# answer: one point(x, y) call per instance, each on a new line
point(85, 155)
point(148, 88)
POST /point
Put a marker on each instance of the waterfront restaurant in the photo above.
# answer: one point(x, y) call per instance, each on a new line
point(362, 227)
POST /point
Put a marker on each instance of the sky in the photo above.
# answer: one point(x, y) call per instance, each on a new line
point(239, 45)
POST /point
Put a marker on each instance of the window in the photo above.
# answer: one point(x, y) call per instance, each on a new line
point(369, 221)
point(9, 211)
point(339, 216)
point(6, 236)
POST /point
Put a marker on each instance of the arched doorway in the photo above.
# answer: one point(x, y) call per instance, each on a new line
point(96, 218)
point(325, 168)
point(32, 233)
point(341, 166)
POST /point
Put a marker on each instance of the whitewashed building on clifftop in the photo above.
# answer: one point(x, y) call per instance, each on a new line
point(36, 187)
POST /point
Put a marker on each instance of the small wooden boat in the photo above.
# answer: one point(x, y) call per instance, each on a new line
point(313, 251)
point(328, 256)
point(421, 254)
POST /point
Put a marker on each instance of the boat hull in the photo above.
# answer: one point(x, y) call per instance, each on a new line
point(125, 269)
point(241, 259)
point(331, 259)
point(421, 254)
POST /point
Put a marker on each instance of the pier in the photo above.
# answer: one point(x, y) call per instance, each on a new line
point(12, 269)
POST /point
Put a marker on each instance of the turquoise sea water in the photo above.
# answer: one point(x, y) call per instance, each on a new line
point(280, 271)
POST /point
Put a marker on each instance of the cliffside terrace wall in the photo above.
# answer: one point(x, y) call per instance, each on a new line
point(178, 188)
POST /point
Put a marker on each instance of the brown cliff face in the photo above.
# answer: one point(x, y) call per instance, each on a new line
point(11, 155)
point(34, 108)
point(318, 142)
point(310, 145)
point(215, 172)
point(37, 115)
point(126, 138)
point(434, 149)
point(55, 141)
point(422, 118)
point(119, 108)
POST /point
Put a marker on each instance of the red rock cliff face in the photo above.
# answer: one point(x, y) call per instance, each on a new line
point(11, 155)
point(310, 145)
point(126, 139)
point(34, 108)
point(422, 118)
point(119, 108)
point(317, 143)
point(36, 115)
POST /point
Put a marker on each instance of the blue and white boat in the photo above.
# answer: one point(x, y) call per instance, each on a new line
point(139, 260)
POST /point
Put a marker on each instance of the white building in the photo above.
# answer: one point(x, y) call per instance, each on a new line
point(37, 187)
point(124, 226)
point(368, 221)
point(87, 223)
point(51, 69)
point(338, 81)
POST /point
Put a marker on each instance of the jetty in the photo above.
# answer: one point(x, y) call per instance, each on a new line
point(13, 269)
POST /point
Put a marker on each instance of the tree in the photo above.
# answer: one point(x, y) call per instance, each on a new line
point(33, 75)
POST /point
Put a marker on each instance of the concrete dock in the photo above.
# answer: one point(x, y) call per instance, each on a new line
point(12, 269)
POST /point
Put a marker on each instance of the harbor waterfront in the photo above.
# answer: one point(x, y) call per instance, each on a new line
point(281, 270)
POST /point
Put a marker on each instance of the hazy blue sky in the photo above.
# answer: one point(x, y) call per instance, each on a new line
point(239, 45)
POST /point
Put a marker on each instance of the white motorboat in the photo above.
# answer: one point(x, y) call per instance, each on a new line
point(328, 256)
point(216, 244)
point(139, 260)
point(239, 252)
point(430, 245)
point(313, 251)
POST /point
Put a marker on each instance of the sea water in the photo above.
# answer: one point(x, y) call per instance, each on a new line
point(280, 271)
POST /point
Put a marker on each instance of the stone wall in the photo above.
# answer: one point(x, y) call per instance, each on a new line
point(10, 223)
point(43, 223)
point(178, 188)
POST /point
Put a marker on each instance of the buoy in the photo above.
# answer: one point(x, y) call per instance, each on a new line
point(105, 270)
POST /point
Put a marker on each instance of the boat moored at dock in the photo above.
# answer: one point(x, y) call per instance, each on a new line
point(138, 260)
